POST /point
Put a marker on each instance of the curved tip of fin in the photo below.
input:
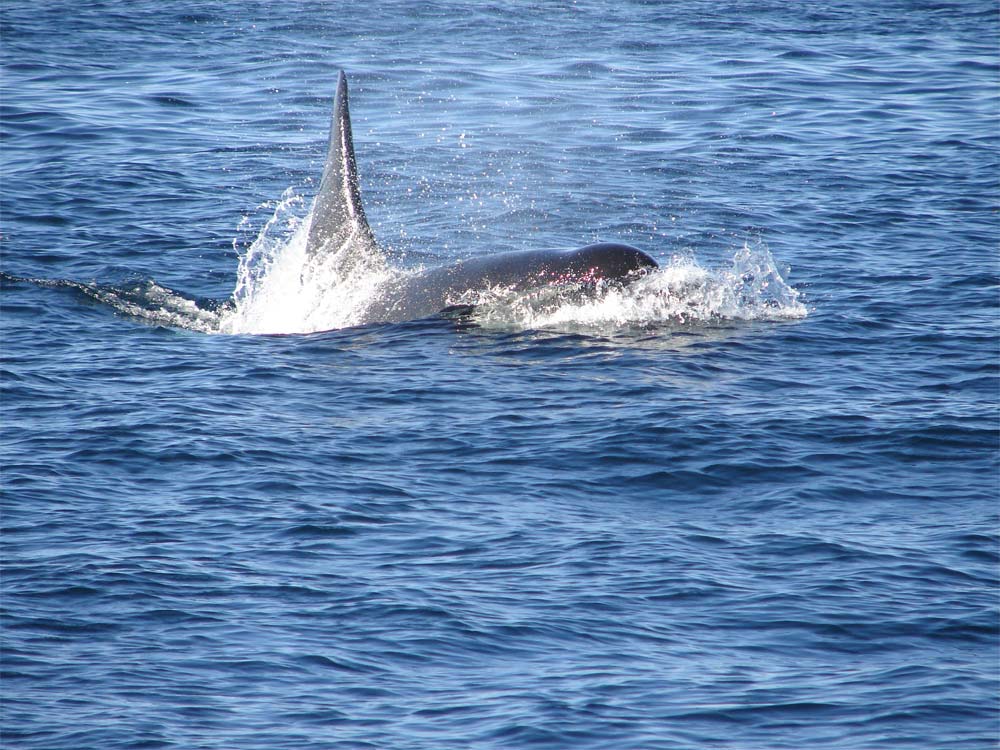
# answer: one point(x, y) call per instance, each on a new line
point(338, 216)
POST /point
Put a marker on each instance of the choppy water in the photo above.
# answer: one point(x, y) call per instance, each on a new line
point(749, 503)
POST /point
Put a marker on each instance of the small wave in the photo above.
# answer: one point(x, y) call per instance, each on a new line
point(144, 300)
point(158, 305)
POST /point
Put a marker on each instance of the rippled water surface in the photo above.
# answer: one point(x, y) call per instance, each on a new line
point(750, 502)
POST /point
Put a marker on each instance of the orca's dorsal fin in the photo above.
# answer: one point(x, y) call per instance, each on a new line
point(338, 218)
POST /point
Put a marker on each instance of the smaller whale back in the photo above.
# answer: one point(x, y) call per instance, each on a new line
point(530, 268)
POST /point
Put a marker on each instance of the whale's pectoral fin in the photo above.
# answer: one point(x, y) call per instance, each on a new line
point(338, 218)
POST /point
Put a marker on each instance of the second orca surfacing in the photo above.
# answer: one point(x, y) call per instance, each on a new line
point(338, 224)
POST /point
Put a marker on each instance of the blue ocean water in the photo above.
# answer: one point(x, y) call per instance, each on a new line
point(756, 509)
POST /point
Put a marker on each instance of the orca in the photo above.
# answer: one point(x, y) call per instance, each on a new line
point(338, 226)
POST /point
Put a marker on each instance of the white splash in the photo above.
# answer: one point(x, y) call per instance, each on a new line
point(680, 292)
point(280, 290)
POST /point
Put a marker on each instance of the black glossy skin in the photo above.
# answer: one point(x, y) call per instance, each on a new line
point(434, 290)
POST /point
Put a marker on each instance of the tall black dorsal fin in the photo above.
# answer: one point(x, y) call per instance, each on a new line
point(338, 218)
